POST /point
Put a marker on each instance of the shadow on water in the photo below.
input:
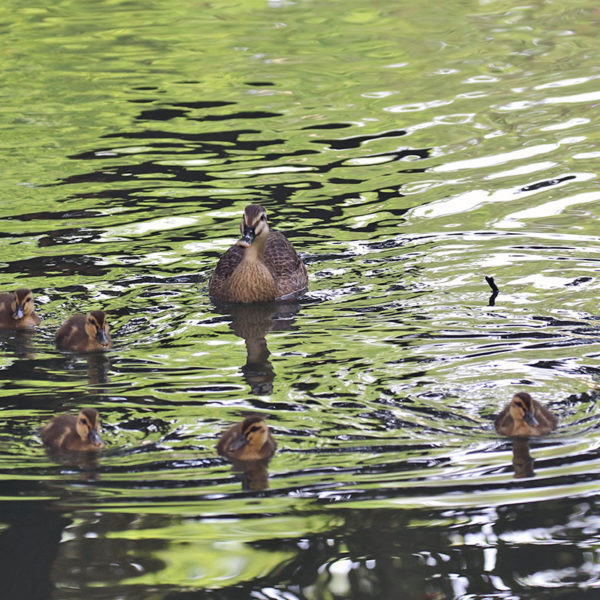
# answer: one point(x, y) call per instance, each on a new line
point(29, 546)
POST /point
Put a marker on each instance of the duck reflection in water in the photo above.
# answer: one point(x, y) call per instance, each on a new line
point(522, 460)
point(249, 446)
point(252, 322)
point(18, 342)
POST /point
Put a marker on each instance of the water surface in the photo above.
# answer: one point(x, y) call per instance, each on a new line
point(407, 153)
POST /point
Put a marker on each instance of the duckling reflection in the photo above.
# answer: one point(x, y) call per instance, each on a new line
point(98, 365)
point(261, 267)
point(18, 342)
point(522, 460)
point(84, 333)
point(252, 322)
point(254, 474)
point(17, 309)
point(525, 417)
point(249, 445)
point(67, 432)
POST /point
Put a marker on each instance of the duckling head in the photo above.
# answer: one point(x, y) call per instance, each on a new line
point(254, 434)
point(88, 427)
point(96, 327)
point(254, 225)
point(22, 304)
point(521, 409)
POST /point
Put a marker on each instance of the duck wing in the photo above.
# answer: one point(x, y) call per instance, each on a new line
point(225, 267)
point(504, 422)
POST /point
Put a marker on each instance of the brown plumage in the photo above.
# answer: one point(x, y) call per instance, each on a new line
point(84, 333)
point(67, 432)
point(525, 417)
point(261, 267)
point(248, 440)
point(18, 310)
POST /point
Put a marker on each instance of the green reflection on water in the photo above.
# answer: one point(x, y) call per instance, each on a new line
point(408, 152)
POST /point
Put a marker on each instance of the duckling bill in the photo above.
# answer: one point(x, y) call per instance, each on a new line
point(525, 417)
point(248, 440)
point(85, 333)
point(67, 432)
point(17, 309)
point(261, 267)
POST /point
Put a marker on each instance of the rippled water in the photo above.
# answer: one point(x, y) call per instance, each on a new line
point(408, 152)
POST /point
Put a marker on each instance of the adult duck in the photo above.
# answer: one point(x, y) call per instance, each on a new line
point(261, 266)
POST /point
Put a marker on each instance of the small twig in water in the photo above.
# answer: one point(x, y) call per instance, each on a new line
point(495, 290)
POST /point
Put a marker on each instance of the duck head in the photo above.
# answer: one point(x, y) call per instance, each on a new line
point(22, 304)
point(254, 434)
point(88, 427)
point(254, 225)
point(521, 409)
point(96, 327)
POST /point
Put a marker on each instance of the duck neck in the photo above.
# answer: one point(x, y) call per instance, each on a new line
point(256, 251)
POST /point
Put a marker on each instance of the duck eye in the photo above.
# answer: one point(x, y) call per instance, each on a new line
point(263, 218)
point(27, 299)
point(83, 421)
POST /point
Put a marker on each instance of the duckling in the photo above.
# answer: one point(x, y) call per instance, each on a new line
point(248, 440)
point(524, 416)
point(67, 432)
point(84, 333)
point(17, 309)
point(261, 267)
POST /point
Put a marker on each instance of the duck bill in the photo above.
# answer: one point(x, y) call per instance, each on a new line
point(19, 313)
point(94, 438)
point(530, 419)
point(247, 238)
point(239, 443)
point(101, 337)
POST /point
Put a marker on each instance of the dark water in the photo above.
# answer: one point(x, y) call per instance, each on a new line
point(407, 152)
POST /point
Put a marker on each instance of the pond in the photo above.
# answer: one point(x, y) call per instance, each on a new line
point(408, 152)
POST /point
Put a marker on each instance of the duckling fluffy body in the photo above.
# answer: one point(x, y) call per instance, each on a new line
point(80, 433)
point(248, 440)
point(84, 333)
point(525, 417)
point(261, 267)
point(17, 309)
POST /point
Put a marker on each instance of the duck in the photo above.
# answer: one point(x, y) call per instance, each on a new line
point(84, 333)
point(69, 432)
point(248, 440)
point(262, 266)
point(17, 309)
point(523, 416)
